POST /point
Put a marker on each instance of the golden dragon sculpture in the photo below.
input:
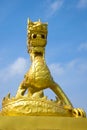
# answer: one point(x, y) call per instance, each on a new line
point(39, 77)
point(36, 80)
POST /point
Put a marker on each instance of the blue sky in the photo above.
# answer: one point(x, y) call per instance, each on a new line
point(66, 51)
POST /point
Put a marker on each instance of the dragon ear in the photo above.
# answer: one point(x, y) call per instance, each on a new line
point(28, 21)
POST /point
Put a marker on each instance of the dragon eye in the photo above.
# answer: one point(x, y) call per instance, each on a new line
point(42, 36)
point(34, 35)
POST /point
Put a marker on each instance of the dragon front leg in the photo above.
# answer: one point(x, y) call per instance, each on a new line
point(21, 89)
point(61, 95)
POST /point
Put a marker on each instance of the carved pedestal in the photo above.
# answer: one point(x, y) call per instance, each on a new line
point(42, 123)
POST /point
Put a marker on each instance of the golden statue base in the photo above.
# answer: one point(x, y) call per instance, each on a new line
point(36, 106)
point(42, 123)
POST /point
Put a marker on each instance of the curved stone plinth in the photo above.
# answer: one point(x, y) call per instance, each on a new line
point(34, 106)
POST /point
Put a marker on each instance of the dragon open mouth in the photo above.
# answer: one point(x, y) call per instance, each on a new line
point(38, 54)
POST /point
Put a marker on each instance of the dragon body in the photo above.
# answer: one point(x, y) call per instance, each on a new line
point(38, 76)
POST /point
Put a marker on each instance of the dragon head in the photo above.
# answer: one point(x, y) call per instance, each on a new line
point(36, 37)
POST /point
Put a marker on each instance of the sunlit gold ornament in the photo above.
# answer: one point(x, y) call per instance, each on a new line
point(38, 78)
